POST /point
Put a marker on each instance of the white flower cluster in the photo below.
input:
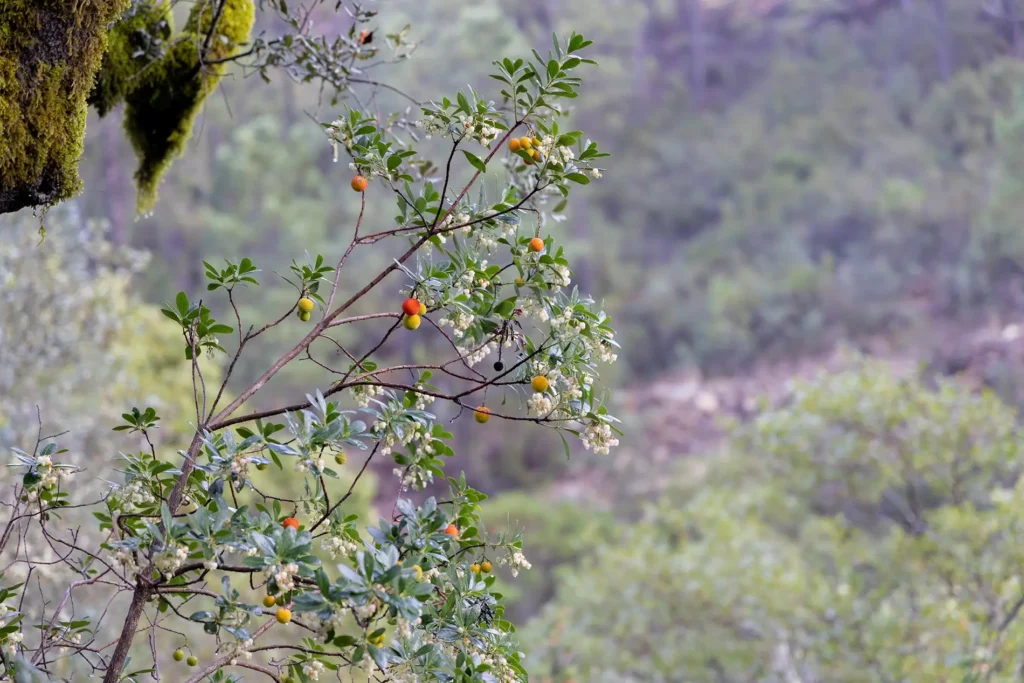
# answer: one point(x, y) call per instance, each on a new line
point(314, 465)
point(49, 475)
point(240, 465)
point(69, 640)
point(535, 308)
point(14, 640)
point(363, 393)
point(516, 560)
point(459, 322)
point(240, 650)
point(135, 494)
point(563, 275)
point(125, 558)
point(475, 356)
point(210, 565)
point(556, 153)
point(565, 323)
point(171, 559)
point(598, 437)
point(414, 477)
point(423, 400)
point(540, 405)
point(500, 669)
point(284, 575)
point(338, 546)
point(476, 127)
point(606, 352)
point(336, 622)
point(337, 135)
point(365, 611)
point(313, 669)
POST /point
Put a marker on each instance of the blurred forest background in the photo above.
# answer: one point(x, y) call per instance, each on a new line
point(810, 241)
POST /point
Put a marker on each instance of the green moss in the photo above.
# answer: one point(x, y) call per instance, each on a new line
point(136, 41)
point(163, 100)
point(49, 53)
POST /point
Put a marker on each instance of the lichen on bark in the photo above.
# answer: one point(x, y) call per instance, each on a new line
point(50, 51)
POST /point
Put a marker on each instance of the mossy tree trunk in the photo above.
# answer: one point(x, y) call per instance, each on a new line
point(50, 51)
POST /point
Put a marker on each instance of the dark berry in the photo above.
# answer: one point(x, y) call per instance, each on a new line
point(498, 366)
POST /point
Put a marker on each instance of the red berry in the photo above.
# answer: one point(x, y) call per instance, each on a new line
point(290, 522)
point(411, 306)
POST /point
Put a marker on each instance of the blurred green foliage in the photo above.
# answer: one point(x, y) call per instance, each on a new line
point(871, 527)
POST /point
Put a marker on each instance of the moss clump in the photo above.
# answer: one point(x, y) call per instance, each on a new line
point(135, 42)
point(163, 100)
point(49, 53)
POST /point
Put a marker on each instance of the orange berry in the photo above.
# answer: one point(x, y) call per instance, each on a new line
point(536, 244)
point(486, 566)
point(359, 183)
point(290, 522)
point(535, 155)
point(452, 530)
point(269, 601)
point(475, 568)
point(539, 384)
point(482, 414)
point(411, 306)
point(514, 144)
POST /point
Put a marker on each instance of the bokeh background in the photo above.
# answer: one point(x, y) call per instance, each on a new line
point(810, 240)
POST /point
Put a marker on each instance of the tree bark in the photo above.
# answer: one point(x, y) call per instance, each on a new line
point(47, 67)
point(124, 644)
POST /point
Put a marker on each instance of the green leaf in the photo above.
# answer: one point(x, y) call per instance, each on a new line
point(475, 161)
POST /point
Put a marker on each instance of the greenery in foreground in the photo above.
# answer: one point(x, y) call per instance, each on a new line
point(410, 598)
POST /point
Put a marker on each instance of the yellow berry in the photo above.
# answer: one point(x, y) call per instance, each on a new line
point(482, 414)
point(525, 143)
point(306, 304)
point(283, 615)
point(539, 383)
point(269, 601)
point(419, 572)
point(411, 322)
point(475, 568)
point(535, 155)
point(536, 141)
point(486, 566)
point(423, 308)
point(520, 282)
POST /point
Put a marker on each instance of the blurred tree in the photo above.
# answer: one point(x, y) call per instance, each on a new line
point(871, 525)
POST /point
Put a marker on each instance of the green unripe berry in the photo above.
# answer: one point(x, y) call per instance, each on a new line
point(179, 655)
point(192, 661)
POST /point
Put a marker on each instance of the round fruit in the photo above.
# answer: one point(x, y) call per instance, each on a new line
point(179, 655)
point(411, 322)
point(341, 458)
point(452, 530)
point(378, 641)
point(269, 601)
point(290, 522)
point(525, 142)
point(486, 566)
point(536, 141)
point(536, 244)
point(514, 144)
point(304, 316)
point(261, 466)
point(539, 384)
point(482, 414)
point(411, 306)
point(475, 568)
point(423, 308)
point(498, 366)
point(419, 572)
point(535, 155)
point(359, 183)
point(520, 282)
point(306, 304)
point(192, 661)
point(283, 615)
